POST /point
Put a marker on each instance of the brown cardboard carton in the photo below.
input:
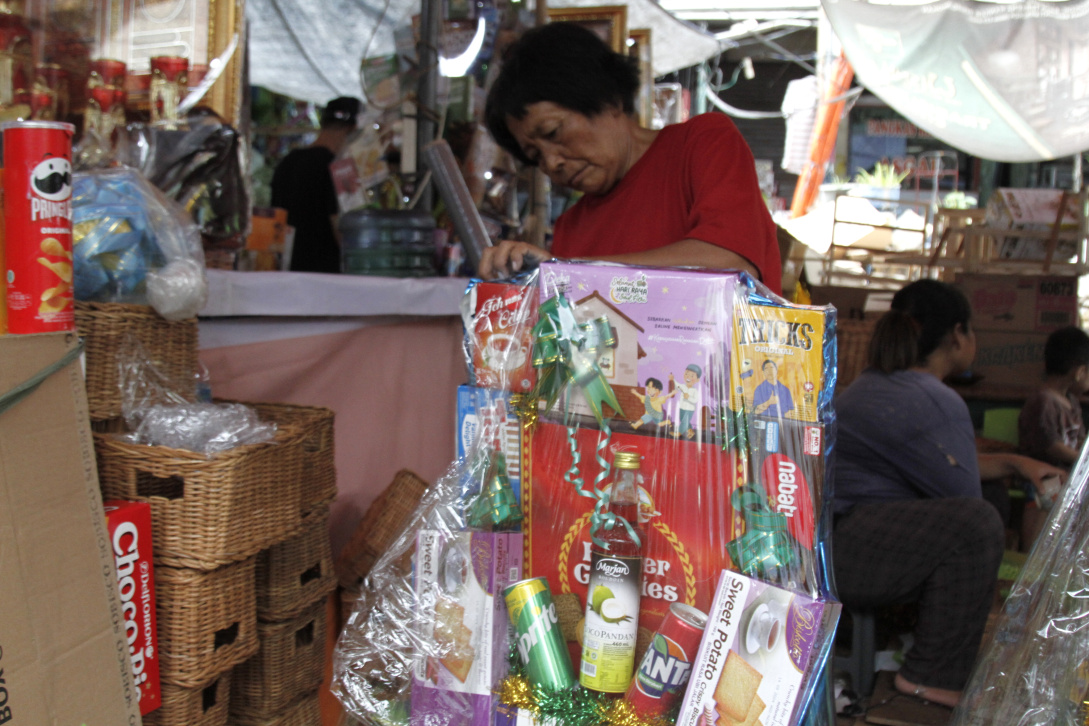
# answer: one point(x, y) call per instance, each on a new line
point(63, 652)
point(1023, 303)
point(1013, 362)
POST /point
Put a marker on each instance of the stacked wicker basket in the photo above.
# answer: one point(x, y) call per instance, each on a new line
point(241, 549)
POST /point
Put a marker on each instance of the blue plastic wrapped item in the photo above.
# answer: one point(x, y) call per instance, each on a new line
point(131, 244)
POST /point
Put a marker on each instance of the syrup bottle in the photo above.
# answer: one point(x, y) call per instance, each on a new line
point(612, 599)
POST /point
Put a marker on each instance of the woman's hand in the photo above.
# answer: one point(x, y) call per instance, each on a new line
point(509, 258)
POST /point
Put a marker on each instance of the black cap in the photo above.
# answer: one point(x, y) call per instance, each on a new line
point(343, 110)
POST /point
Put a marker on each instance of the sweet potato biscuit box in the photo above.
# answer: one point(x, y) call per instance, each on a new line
point(460, 578)
point(754, 655)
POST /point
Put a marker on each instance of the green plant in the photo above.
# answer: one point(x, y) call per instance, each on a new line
point(959, 200)
point(883, 175)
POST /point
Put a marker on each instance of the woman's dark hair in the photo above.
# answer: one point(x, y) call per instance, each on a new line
point(562, 63)
point(922, 314)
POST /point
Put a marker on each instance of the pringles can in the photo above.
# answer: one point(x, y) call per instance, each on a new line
point(37, 194)
point(667, 663)
point(541, 645)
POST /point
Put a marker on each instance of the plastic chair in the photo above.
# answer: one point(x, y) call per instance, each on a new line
point(1000, 424)
point(859, 665)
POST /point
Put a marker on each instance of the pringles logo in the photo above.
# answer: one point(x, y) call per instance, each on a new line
point(51, 181)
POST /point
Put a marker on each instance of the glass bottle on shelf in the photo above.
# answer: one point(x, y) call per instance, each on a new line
point(16, 64)
point(169, 84)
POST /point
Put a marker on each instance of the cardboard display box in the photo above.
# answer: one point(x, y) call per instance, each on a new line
point(1024, 303)
point(64, 658)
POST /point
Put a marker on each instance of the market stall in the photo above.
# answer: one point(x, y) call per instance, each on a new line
point(383, 354)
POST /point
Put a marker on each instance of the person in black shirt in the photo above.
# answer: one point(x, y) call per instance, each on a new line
point(303, 186)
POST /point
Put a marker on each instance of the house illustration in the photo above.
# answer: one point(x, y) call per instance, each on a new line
point(621, 363)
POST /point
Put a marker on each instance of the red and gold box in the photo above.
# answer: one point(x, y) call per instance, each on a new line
point(129, 526)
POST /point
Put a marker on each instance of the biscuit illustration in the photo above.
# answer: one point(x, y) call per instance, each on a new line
point(736, 688)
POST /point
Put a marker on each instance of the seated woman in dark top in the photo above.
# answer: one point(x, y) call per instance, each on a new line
point(910, 523)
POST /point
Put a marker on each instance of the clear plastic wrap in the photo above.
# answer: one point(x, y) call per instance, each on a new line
point(1034, 670)
point(131, 244)
point(160, 411)
point(716, 390)
point(201, 166)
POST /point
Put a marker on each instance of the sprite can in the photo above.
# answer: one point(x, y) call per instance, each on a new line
point(541, 645)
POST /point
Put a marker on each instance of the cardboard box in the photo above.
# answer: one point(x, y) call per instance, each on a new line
point(460, 579)
point(129, 527)
point(683, 552)
point(63, 652)
point(1013, 361)
point(1034, 210)
point(663, 323)
point(1028, 303)
point(482, 408)
point(754, 655)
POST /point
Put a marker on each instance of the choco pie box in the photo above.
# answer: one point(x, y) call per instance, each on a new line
point(754, 655)
point(459, 580)
point(129, 527)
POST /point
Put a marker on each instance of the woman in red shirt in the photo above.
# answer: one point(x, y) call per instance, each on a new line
point(684, 195)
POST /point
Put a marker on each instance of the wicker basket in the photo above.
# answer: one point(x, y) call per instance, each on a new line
point(208, 511)
point(204, 705)
point(171, 346)
point(853, 345)
point(304, 712)
point(290, 663)
point(207, 621)
point(318, 484)
point(379, 527)
point(293, 574)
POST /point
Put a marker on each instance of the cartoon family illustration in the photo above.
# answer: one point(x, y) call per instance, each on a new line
point(654, 403)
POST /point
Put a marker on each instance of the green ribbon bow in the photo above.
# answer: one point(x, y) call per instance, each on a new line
point(736, 425)
point(566, 352)
point(766, 547)
point(495, 508)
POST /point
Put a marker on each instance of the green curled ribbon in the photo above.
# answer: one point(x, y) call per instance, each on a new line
point(601, 518)
point(566, 352)
point(496, 508)
point(736, 426)
point(766, 547)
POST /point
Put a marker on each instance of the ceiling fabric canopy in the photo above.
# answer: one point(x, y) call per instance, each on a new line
point(1003, 81)
point(312, 49)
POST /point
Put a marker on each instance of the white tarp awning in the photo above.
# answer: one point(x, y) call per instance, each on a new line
point(312, 49)
point(1000, 80)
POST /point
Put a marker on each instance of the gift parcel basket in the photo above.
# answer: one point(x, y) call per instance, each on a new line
point(637, 531)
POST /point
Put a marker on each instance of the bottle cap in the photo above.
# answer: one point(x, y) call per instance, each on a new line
point(626, 460)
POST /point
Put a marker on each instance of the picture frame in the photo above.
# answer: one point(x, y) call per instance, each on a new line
point(640, 48)
point(609, 22)
point(200, 30)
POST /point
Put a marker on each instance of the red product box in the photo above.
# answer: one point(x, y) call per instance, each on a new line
point(129, 526)
point(499, 335)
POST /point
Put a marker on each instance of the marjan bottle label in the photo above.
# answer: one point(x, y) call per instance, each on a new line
point(612, 622)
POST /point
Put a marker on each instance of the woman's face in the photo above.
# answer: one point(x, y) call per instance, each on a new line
point(587, 154)
point(966, 350)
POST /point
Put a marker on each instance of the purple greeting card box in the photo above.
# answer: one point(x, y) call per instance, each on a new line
point(460, 579)
point(753, 657)
point(669, 332)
